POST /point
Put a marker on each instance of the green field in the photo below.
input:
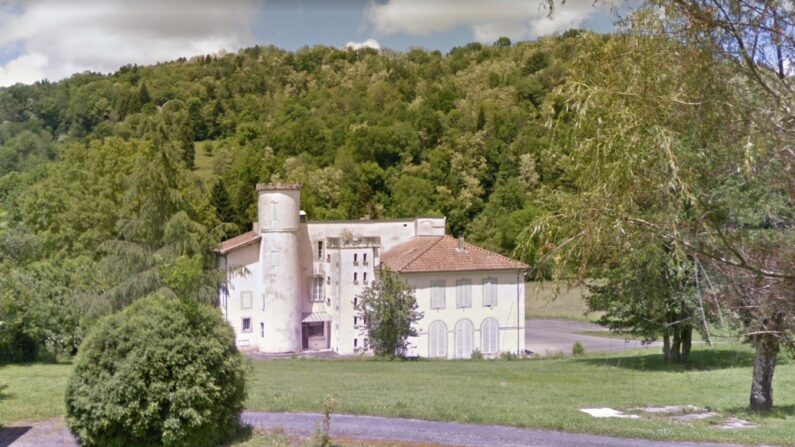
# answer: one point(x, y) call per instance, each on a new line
point(548, 300)
point(530, 393)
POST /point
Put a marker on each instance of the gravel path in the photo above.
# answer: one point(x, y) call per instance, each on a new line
point(545, 337)
point(53, 433)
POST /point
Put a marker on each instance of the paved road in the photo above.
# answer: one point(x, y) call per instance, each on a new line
point(444, 433)
point(545, 337)
point(53, 433)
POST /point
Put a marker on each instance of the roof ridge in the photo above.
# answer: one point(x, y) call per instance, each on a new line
point(439, 238)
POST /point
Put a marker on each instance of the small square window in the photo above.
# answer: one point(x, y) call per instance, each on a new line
point(246, 325)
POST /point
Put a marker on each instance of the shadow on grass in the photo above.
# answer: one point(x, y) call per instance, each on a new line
point(778, 412)
point(244, 433)
point(700, 360)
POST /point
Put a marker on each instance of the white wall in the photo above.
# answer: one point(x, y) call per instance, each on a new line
point(248, 258)
point(511, 335)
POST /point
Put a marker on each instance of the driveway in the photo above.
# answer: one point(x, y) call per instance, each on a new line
point(53, 433)
point(545, 337)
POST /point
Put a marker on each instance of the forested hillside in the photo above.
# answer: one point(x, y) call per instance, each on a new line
point(116, 186)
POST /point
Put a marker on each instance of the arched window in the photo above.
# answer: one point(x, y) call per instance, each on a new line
point(489, 336)
point(437, 339)
point(464, 332)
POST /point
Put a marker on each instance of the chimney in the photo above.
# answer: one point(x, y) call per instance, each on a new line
point(461, 246)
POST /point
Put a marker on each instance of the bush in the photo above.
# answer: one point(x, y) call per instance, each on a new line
point(508, 355)
point(161, 373)
point(476, 354)
point(15, 345)
point(577, 349)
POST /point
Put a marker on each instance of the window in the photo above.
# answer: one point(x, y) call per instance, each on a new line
point(464, 332)
point(462, 293)
point(355, 342)
point(319, 249)
point(328, 257)
point(437, 294)
point(246, 325)
point(317, 289)
point(364, 278)
point(263, 301)
point(489, 336)
point(355, 278)
point(328, 280)
point(262, 330)
point(245, 300)
point(274, 214)
point(274, 263)
point(364, 259)
point(437, 339)
point(355, 260)
point(315, 329)
point(355, 321)
point(489, 292)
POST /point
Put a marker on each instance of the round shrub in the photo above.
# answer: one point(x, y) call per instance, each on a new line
point(163, 372)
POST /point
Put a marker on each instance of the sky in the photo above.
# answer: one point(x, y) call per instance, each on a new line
point(53, 39)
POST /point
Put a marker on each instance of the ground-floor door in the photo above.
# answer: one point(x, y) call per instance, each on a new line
point(316, 335)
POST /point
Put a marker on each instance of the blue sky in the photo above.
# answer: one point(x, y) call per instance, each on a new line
point(53, 39)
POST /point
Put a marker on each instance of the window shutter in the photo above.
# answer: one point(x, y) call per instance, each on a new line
point(489, 336)
point(437, 295)
point(464, 333)
point(489, 292)
point(463, 296)
point(437, 334)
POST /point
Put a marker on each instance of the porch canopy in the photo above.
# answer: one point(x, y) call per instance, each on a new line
point(316, 317)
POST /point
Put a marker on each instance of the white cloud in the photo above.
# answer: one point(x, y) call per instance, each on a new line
point(488, 20)
point(59, 38)
point(369, 43)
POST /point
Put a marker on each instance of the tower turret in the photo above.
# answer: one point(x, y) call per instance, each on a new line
point(278, 207)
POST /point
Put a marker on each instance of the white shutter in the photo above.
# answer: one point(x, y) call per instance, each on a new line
point(464, 333)
point(489, 331)
point(489, 292)
point(437, 335)
point(437, 294)
point(463, 296)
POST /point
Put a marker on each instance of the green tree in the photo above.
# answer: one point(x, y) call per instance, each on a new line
point(162, 372)
point(388, 309)
point(222, 203)
point(645, 148)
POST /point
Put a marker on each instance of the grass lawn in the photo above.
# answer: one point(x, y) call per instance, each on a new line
point(532, 393)
point(569, 304)
point(203, 161)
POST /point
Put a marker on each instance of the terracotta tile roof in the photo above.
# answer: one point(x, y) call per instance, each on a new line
point(244, 239)
point(441, 254)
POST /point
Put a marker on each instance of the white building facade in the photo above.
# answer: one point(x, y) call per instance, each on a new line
point(293, 285)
